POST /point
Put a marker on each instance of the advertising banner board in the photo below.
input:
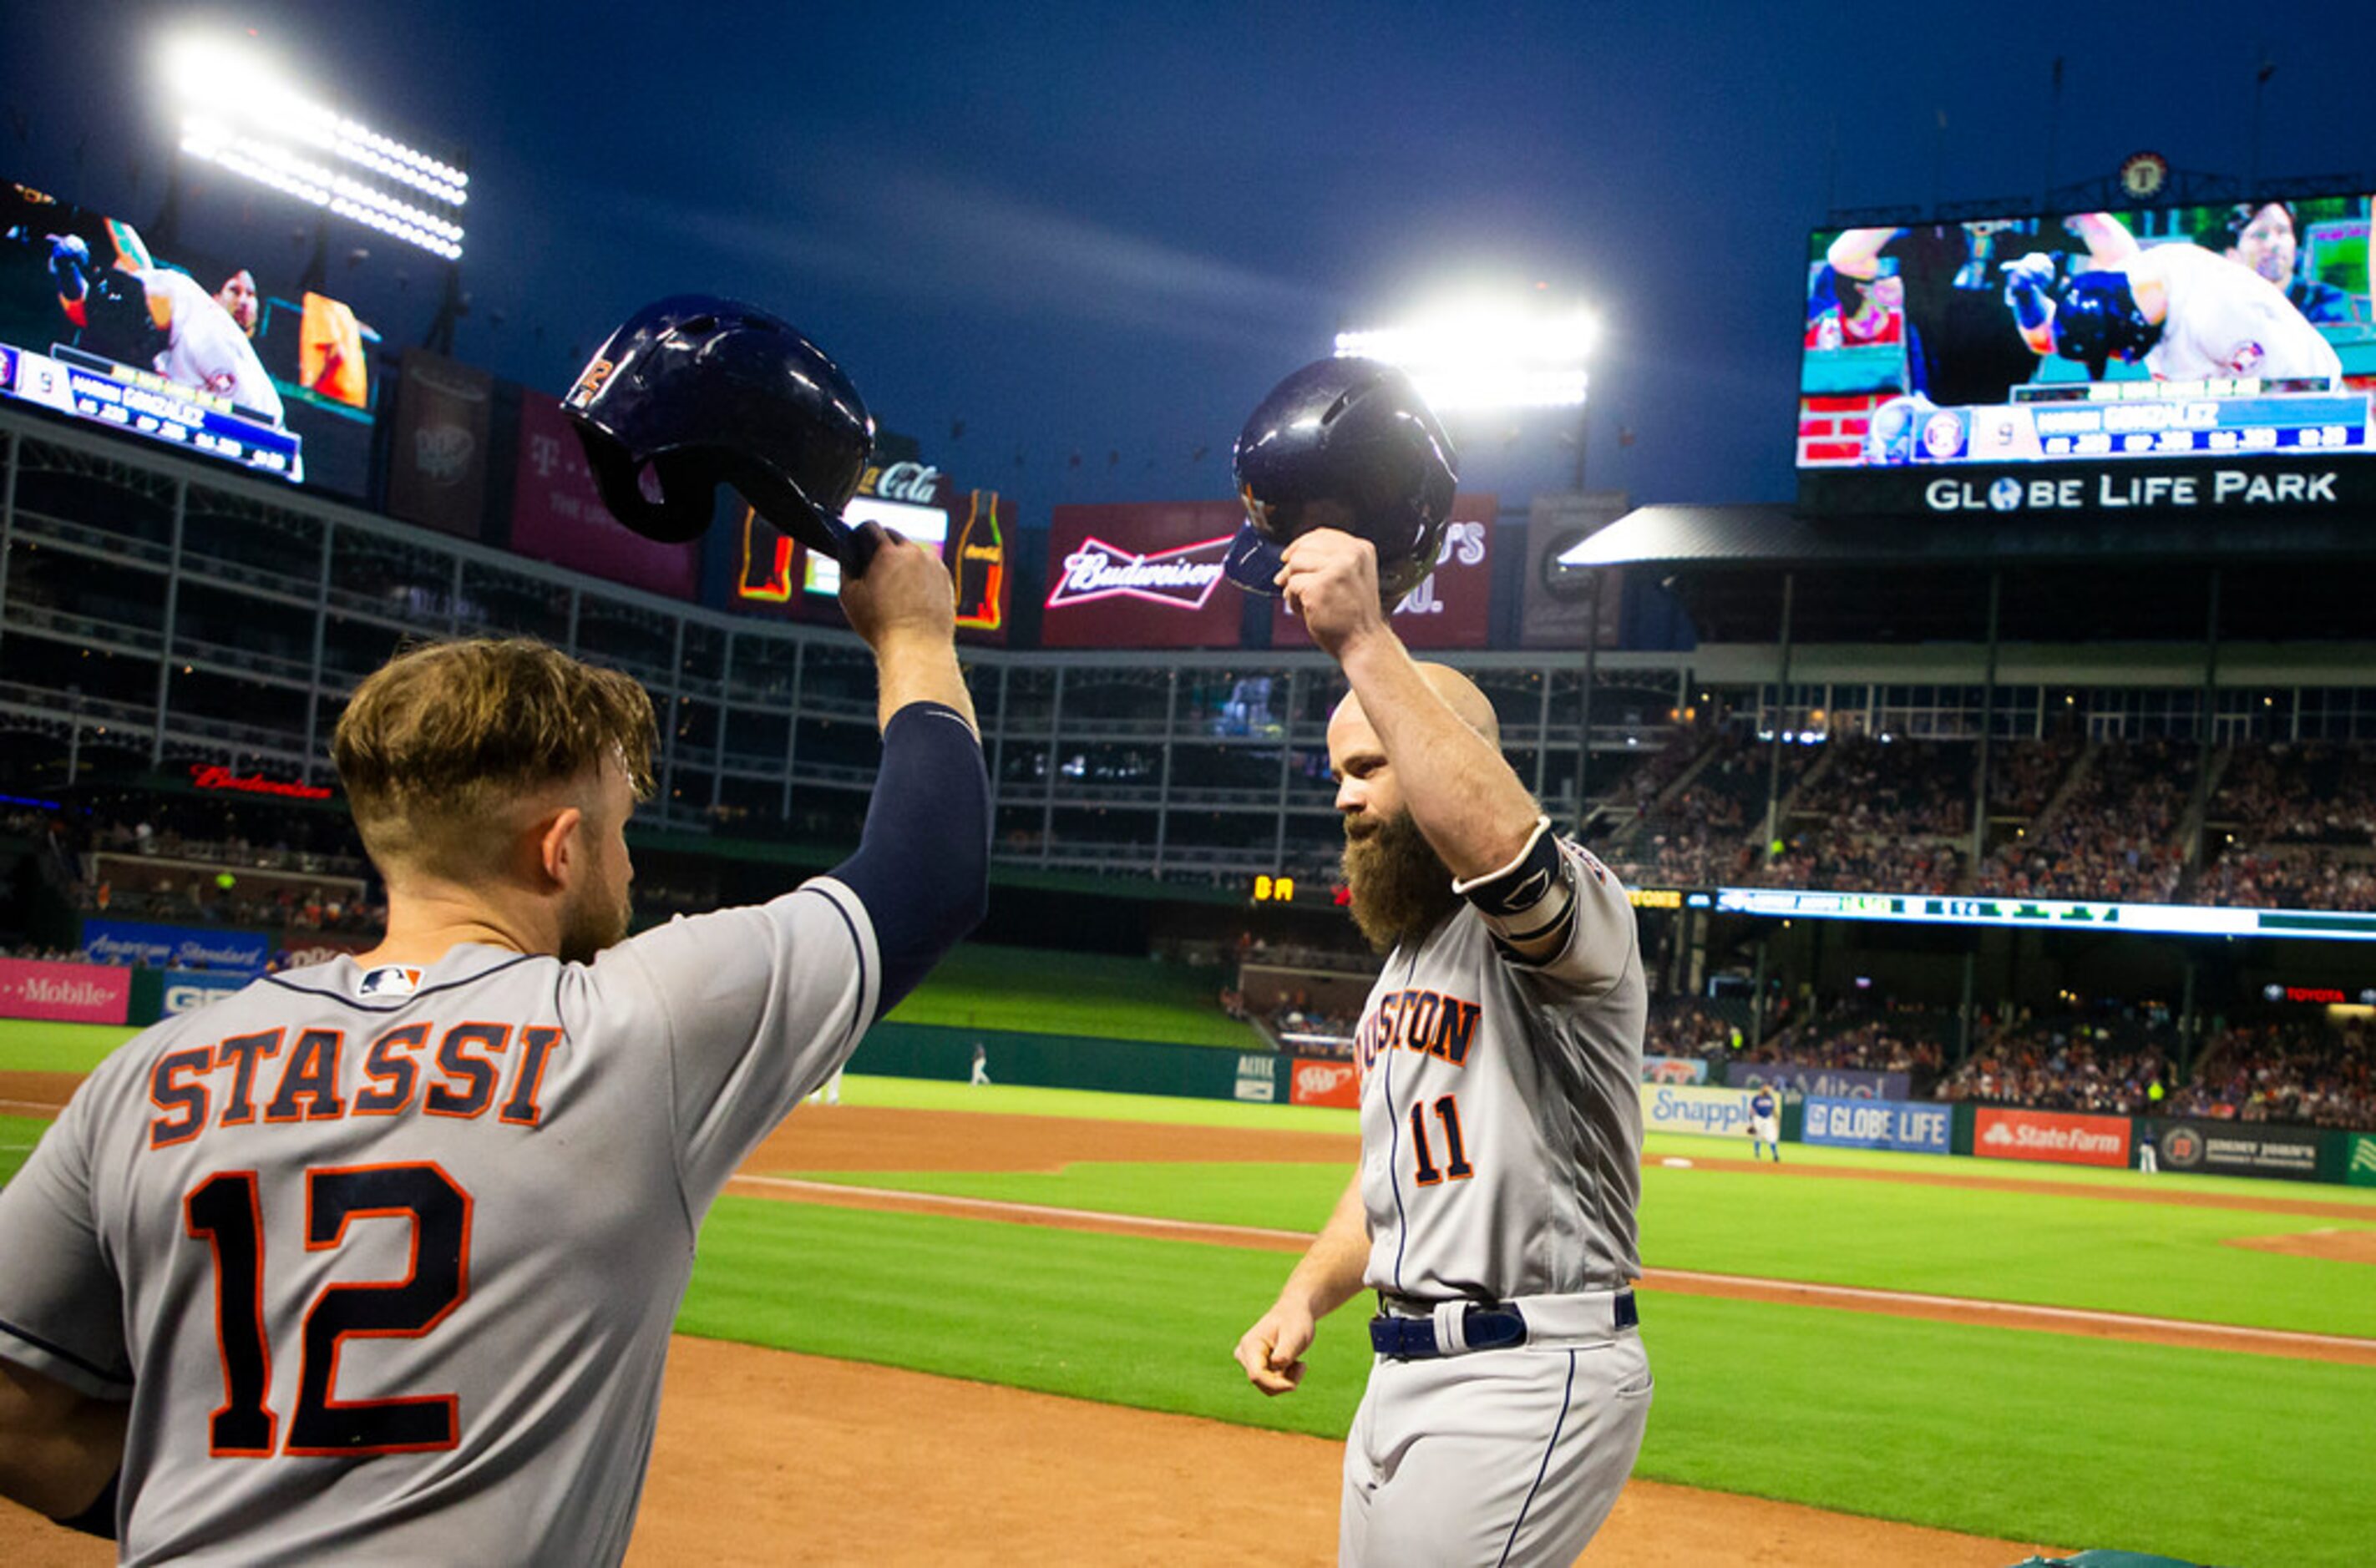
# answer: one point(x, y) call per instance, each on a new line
point(2061, 1138)
point(1808, 1083)
point(242, 953)
point(2235, 1149)
point(1326, 1083)
point(1685, 1108)
point(1878, 1123)
point(68, 994)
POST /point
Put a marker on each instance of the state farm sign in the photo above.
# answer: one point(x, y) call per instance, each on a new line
point(2063, 1137)
point(1326, 1083)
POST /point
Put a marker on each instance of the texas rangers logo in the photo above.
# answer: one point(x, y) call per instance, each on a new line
point(2245, 357)
point(1181, 579)
point(2183, 1146)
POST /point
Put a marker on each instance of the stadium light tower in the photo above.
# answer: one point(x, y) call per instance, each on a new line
point(238, 113)
point(1490, 352)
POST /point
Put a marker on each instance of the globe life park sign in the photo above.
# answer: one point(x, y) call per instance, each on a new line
point(2302, 486)
point(2149, 492)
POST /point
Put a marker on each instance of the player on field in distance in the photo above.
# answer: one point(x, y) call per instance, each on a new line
point(1764, 1124)
point(2187, 312)
point(1500, 1056)
point(376, 1259)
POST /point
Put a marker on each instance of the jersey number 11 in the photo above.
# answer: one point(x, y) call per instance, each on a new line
point(1456, 1165)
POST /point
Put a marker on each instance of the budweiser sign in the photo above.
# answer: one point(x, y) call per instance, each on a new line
point(209, 776)
point(1182, 578)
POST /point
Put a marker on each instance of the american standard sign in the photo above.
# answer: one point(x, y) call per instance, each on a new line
point(1181, 579)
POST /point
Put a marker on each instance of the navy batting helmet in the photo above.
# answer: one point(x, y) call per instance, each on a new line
point(710, 391)
point(2096, 321)
point(1349, 444)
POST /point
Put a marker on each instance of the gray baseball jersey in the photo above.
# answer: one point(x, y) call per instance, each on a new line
point(386, 1261)
point(1500, 1108)
point(1500, 1148)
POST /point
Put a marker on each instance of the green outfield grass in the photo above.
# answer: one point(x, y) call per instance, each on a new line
point(18, 1135)
point(2202, 1455)
point(2207, 1456)
point(984, 987)
point(30, 1045)
point(2045, 1247)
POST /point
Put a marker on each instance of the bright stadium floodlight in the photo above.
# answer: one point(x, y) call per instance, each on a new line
point(242, 116)
point(1486, 354)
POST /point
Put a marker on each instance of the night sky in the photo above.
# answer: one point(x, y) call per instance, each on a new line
point(1094, 232)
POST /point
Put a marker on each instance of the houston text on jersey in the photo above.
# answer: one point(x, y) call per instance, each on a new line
point(1431, 1021)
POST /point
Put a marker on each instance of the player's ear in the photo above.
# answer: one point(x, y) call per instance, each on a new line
point(559, 843)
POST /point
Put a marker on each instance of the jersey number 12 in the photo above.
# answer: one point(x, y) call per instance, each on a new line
point(224, 1211)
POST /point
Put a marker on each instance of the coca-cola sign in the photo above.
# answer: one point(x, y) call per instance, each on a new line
point(1182, 578)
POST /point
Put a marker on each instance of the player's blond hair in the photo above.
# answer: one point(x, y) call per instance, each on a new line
point(440, 744)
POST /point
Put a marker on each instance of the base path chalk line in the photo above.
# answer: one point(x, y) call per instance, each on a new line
point(2295, 1343)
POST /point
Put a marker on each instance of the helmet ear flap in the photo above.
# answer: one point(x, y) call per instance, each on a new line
point(688, 490)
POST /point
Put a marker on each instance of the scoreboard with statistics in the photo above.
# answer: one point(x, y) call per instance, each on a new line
point(2214, 357)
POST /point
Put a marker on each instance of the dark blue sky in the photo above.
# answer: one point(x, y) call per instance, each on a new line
point(1103, 230)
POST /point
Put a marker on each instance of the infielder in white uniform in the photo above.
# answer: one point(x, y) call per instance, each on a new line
point(2187, 312)
point(1500, 1053)
point(375, 1261)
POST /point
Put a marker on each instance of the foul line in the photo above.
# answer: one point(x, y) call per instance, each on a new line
point(1005, 1209)
point(1685, 1282)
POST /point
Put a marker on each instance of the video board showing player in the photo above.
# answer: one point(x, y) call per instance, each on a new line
point(2225, 331)
point(96, 325)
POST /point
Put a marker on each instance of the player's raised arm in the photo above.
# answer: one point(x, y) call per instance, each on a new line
point(1460, 789)
point(1856, 253)
point(922, 866)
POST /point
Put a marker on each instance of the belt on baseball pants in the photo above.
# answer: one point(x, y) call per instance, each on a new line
point(1413, 1331)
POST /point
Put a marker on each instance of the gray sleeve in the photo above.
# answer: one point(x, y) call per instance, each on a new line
point(61, 1306)
point(754, 1006)
point(1557, 913)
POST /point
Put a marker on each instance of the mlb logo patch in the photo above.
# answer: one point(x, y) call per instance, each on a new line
point(389, 980)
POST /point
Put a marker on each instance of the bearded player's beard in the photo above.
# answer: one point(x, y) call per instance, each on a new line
point(1400, 886)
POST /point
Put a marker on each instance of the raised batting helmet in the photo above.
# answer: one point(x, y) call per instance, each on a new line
point(2096, 321)
point(1346, 444)
point(709, 391)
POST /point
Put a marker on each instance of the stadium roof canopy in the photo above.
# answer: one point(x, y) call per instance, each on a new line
point(2064, 579)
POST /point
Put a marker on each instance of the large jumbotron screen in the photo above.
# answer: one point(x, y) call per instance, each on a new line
point(2233, 334)
point(181, 349)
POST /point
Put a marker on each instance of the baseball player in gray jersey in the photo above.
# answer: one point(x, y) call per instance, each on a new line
point(1501, 1052)
point(376, 1260)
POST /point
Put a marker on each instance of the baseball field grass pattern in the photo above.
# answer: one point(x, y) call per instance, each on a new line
point(2199, 1454)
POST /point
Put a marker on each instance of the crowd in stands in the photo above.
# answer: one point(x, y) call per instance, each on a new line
point(1682, 1026)
point(2105, 1060)
point(2297, 1072)
point(2298, 827)
point(1878, 1037)
point(2115, 838)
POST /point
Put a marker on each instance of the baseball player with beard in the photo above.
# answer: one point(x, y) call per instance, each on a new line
point(1500, 1051)
point(376, 1259)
